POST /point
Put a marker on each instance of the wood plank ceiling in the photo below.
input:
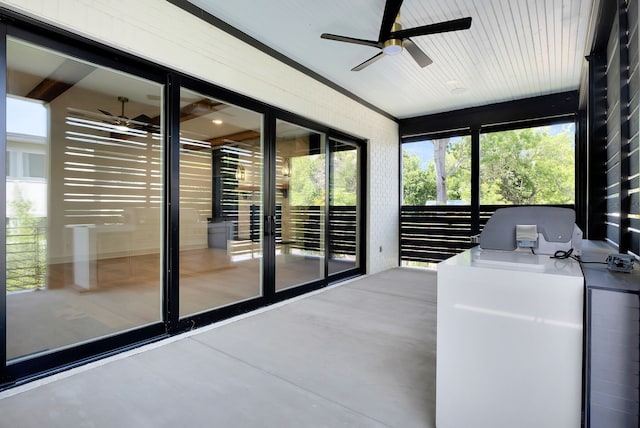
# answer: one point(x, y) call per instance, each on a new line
point(514, 49)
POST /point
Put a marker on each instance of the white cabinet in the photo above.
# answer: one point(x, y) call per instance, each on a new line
point(509, 341)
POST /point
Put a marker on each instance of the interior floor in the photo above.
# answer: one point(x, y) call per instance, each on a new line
point(127, 294)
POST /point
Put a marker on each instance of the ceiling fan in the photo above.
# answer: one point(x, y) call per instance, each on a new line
point(392, 38)
point(139, 122)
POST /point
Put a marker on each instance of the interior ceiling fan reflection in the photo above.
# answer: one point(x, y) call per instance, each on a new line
point(139, 122)
point(197, 106)
point(392, 38)
point(185, 99)
point(203, 107)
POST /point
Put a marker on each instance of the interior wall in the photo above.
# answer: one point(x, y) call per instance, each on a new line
point(167, 35)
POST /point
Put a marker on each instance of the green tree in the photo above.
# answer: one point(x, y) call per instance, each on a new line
point(458, 169)
point(524, 166)
point(345, 178)
point(450, 171)
point(419, 185)
point(306, 185)
point(527, 166)
point(26, 248)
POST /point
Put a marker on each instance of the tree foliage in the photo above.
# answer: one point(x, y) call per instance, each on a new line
point(307, 182)
point(420, 184)
point(525, 166)
point(306, 185)
point(344, 185)
point(26, 247)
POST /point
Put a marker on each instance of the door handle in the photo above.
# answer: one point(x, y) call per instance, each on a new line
point(269, 225)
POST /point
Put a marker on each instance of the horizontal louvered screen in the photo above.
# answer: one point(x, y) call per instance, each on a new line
point(343, 230)
point(431, 234)
point(109, 171)
point(112, 181)
point(633, 153)
point(612, 161)
point(305, 227)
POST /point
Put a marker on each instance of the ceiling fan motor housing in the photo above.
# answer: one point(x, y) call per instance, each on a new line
point(393, 46)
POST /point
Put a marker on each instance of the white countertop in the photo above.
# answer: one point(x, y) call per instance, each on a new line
point(515, 260)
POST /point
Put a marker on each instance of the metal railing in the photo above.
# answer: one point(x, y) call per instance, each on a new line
point(26, 253)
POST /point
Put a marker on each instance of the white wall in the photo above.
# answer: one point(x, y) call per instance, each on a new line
point(165, 34)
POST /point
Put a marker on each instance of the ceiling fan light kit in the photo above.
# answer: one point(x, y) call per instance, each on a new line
point(393, 39)
point(392, 47)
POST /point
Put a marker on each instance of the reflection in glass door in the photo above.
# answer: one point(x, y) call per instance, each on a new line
point(84, 197)
point(220, 203)
point(343, 206)
point(300, 205)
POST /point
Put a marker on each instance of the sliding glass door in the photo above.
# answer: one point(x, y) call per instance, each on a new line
point(300, 178)
point(141, 203)
point(344, 206)
point(221, 170)
point(311, 227)
point(317, 205)
point(84, 174)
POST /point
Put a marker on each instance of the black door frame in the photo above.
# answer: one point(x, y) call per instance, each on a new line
point(28, 368)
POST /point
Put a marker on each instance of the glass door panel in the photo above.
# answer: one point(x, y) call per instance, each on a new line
point(84, 196)
point(221, 164)
point(300, 205)
point(343, 206)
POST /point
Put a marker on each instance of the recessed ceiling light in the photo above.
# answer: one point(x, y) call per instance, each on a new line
point(455, 87)
point(216, 121)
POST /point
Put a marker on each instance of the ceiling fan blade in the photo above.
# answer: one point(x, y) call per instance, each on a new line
point(368, 62)
point(141, 118)
point(440, 27)
point(391, 10)
point(351, 40)
point(416, 53)
point(106, 113)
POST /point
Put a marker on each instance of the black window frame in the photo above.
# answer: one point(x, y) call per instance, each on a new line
point(518, 114)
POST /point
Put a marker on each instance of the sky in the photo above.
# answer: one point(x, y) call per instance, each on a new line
point(26, 117)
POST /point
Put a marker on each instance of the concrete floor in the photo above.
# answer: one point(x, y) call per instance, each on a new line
point(361, 354)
